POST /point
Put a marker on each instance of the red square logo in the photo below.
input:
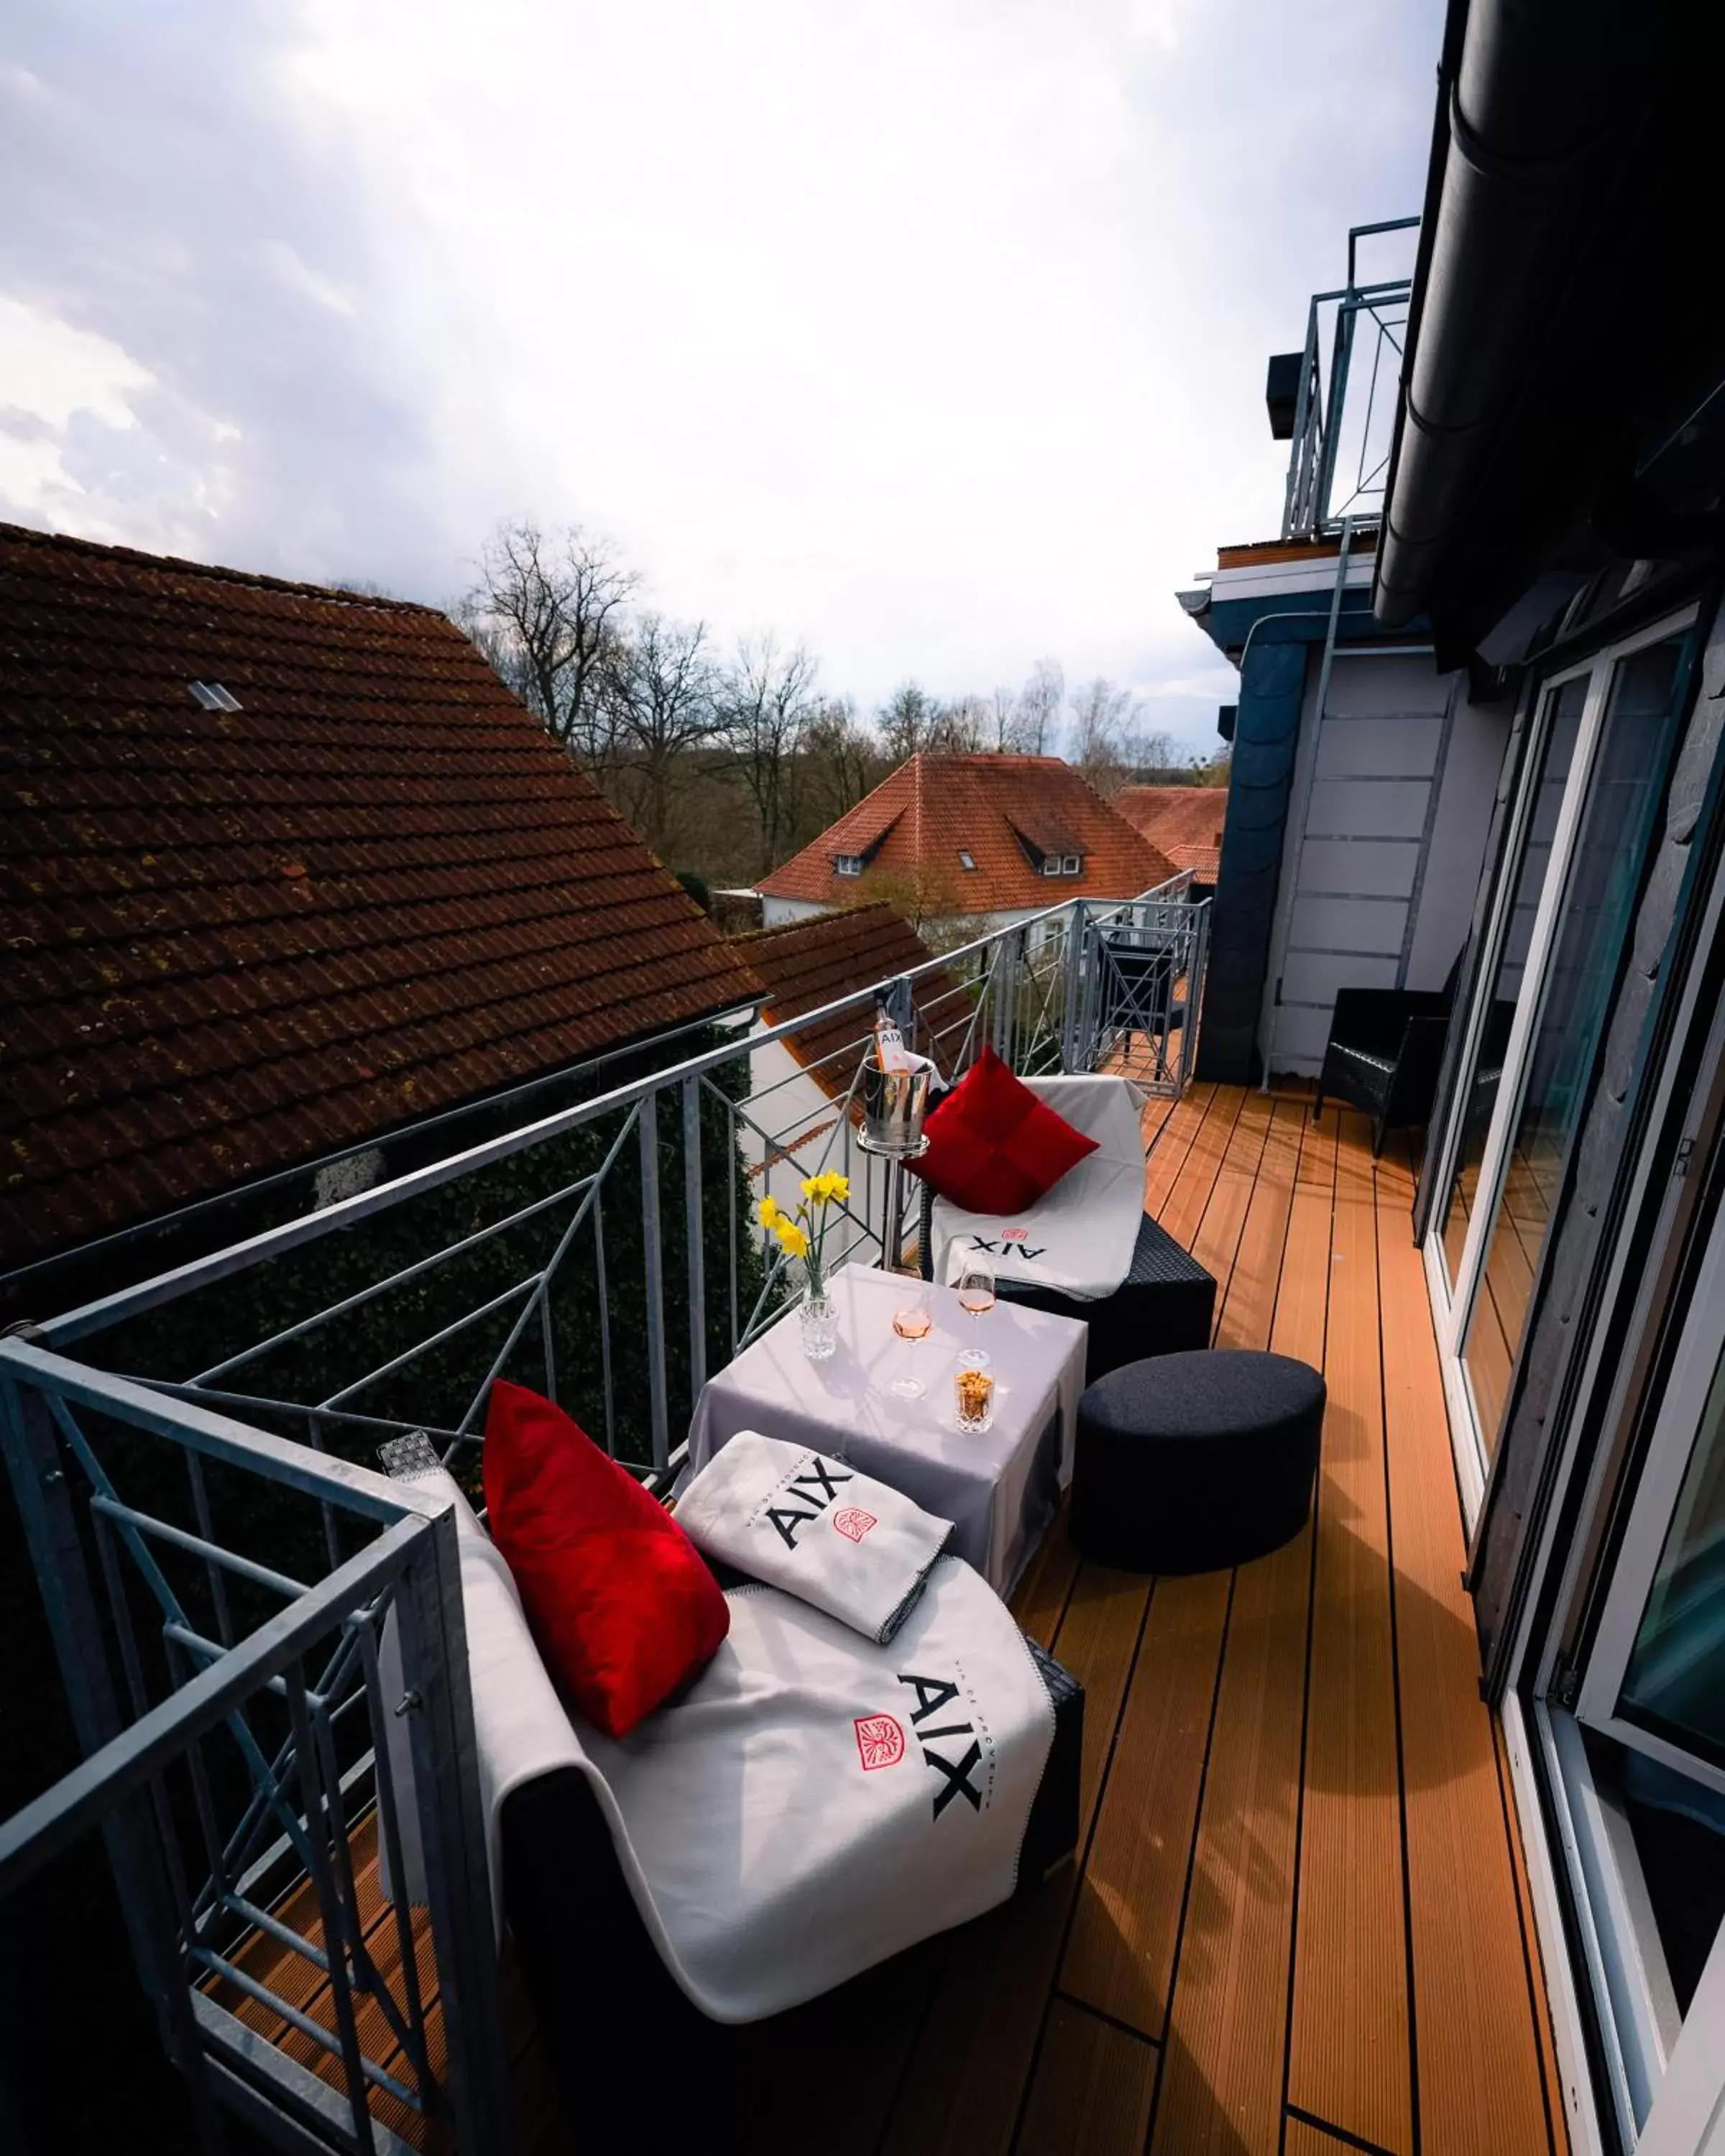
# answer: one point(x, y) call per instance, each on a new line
point(1014, 1234)
point(853, 1523)
point(880, 1740)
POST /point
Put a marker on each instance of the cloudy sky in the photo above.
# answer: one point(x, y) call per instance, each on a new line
point(929, 331)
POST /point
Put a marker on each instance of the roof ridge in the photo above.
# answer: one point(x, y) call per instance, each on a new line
point(102, 550)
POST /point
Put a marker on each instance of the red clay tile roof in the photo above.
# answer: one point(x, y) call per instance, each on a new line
point(237, 940)
point(915, 822)
point(806, 964)
point(1183, 822)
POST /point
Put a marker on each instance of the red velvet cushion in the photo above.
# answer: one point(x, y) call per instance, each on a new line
point(620, 1603)
point(993, 1146)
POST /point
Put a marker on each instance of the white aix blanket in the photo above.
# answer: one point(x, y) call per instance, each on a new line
point(1080, 1237)
point(813, 1804)
point(795, 1519)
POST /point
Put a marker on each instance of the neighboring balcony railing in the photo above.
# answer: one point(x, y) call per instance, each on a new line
point(1344, 417)
point(230, 1675)
point(231, 1688)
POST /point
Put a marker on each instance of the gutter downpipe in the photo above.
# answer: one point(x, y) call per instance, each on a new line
point(1272, 978)
point(1535, 103)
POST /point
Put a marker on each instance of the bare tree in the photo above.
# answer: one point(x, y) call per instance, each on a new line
point(547, 612)
point(1102, 712)
point(1215, 769)
point(1110, 743)
point(1038, 718)
point(767, 701)
point(1152, 748)
point(909, 722)
point(964, 727)
point(659, 702)
point(924, 895)
point(841, 762)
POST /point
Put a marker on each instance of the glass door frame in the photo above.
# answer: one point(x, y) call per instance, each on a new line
point(1663, 2070)
point(1452, 1306)
point(1677, 1430)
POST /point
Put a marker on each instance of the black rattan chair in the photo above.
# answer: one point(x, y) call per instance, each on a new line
point(1384, 1049)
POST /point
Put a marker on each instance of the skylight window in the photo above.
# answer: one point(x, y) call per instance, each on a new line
point(212, 696)
point(967, 860)
point(848, 864)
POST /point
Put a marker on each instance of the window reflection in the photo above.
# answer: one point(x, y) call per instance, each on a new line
point(1562, 723)
point(1617, 823)
point(1675, 1685)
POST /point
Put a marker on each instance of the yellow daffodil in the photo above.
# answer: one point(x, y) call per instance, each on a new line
point(768, 1211)
point(826, 1188)
point(794, 1240)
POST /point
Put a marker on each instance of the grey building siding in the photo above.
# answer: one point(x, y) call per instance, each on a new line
point(1588, 1222)
point(1364, 790)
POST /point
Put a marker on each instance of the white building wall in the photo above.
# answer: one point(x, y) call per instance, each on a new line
point(775, 912)
point(1392, 797)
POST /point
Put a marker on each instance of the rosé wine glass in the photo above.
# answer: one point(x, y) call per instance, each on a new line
point(976, 1293)
point(913, 1320)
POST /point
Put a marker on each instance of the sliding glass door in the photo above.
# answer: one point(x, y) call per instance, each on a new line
point(1638, 1761)
point(1588, 806)
point(1554, 754)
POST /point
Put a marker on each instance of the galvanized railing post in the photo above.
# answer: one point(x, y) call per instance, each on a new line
point(1069, 1015)
point(438, 1703)
point(694, 1232)
point(44, 1505)
point(653, 1271)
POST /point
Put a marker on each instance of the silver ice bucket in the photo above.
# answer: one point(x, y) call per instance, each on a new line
point(893, 1103)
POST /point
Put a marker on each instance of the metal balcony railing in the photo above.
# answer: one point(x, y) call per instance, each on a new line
point(232, 1589)
point(1344, 418)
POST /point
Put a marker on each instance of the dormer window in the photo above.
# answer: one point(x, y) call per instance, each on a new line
point(1062, 865)
point(967, 860)
point(848, 864)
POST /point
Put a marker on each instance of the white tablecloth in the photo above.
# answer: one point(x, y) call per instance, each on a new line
point(999, 1487)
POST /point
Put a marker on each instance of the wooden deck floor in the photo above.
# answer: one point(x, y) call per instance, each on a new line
point(1298, 1924)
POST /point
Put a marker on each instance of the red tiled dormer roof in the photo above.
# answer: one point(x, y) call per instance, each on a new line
point(1002, 811)
point(236, 939)
point(806, 964)
point(1183, 822)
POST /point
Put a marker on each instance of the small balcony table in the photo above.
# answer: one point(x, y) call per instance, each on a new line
point(1000, 1487)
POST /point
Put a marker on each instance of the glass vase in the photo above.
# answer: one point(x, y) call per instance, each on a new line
point(819, 1322)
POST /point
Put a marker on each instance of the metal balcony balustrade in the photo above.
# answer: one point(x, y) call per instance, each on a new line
point(1345, 414)
point(230, 1587)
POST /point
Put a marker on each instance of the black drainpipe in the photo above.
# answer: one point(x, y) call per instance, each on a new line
point(1535, 98)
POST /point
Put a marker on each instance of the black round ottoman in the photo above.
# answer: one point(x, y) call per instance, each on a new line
point(1190, 1462)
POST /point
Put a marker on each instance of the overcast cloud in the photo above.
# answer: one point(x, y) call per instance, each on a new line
point(930, 332)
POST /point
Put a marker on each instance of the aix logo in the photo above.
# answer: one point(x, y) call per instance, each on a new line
point(1010, 1245)
point(815, 1488)
point(928, 1720)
